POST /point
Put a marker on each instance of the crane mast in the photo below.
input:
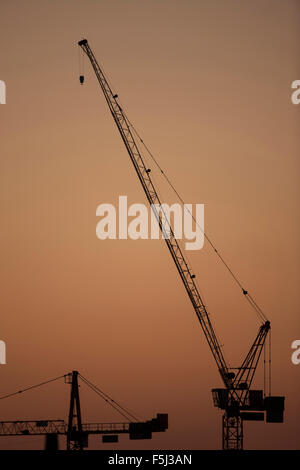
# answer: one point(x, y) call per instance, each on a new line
point(236, 395)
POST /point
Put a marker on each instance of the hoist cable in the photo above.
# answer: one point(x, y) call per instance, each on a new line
point(250, 299)
point(109, 400)
point(32, 387)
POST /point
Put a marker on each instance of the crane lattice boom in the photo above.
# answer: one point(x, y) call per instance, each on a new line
point(237, 395)
point(153, 198)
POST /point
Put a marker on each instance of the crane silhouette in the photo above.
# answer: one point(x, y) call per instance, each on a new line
point(237, 400)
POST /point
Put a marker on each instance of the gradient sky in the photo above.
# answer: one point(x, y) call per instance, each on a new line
point(208, 85)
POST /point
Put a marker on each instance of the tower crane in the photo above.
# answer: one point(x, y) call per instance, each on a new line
point(237, 400)
point(76, 432)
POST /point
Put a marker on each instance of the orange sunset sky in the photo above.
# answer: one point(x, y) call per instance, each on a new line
point(208, 85)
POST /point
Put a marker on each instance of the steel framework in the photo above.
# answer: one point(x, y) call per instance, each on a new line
point(237, 385)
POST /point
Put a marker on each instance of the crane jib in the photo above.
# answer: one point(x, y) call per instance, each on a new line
point(153, 198)
point(230, 379)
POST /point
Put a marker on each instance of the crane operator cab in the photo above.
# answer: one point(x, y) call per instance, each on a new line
point(253, 400)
